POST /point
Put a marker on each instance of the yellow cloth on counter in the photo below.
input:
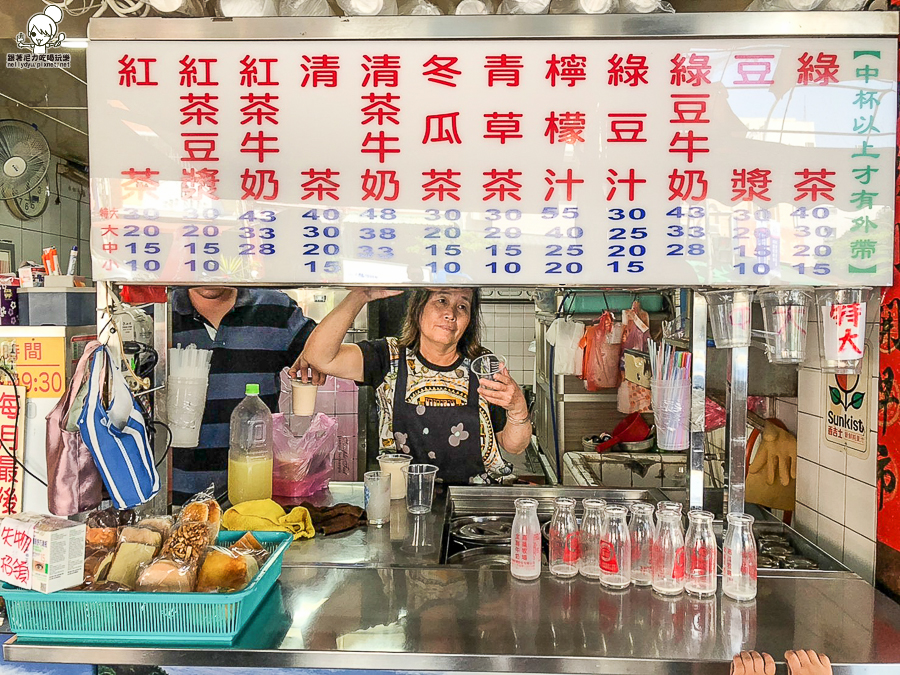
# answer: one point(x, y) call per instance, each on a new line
point(266, 515)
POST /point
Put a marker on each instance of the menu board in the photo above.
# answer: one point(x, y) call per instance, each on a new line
point(465, 162)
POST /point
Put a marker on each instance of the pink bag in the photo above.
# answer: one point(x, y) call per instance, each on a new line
point(602, 344)
point(631, 397)
point(304, 464)
point(74, 484)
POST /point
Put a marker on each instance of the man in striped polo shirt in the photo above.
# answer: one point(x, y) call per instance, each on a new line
point(253, 333)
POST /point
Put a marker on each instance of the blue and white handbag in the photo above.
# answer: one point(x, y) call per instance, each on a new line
point(117, 436)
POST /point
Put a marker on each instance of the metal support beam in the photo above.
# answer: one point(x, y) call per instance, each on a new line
point(698, 400)
point(736, 429)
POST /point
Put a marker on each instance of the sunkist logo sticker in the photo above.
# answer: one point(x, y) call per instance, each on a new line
point(42, 34)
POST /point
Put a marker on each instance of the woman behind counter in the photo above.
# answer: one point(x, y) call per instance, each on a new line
point(430, 404)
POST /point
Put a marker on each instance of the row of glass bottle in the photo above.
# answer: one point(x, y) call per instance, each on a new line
point(642, 552)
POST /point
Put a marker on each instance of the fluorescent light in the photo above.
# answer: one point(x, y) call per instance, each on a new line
point(75, 43)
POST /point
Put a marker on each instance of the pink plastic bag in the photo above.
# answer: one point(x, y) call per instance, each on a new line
point(631, 397)
point(304, 464)
point(602, 344)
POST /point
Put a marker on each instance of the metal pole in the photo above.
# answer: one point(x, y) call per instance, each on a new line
point(698, 400)
point(736, 429)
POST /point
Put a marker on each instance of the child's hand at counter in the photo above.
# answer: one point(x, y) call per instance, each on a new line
point(753, 663)
point(807, 662)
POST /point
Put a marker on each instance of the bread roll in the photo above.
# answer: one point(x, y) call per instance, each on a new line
point(166, 576)
point(247, 543)
point(101, 536)
point(196, 512)
point(96, 565)
point(161, 524)
point(187, 543)
point(141, 535)
point(225, 571)
point(129, 557)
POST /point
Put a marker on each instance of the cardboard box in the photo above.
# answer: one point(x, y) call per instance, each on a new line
point(41, 553)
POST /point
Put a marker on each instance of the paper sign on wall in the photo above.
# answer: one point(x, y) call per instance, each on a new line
point(846, 419)
point(843, 331)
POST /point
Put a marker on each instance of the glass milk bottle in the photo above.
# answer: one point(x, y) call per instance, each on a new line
point(641, 530)
point(668, 553)
point(701, 554)
point(739, 558)
point(250, 456)
point(564, 548)
point(615, 549)
point(591, 534)
point(525, 558)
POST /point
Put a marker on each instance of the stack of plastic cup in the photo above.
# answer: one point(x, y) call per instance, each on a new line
point(785, 315)
point(729, 315)
point(842, 316)
point(186, 393)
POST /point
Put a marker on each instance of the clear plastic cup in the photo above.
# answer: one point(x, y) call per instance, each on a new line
point(394, 463)
point(729, 315)
point(378, 497)
point(672, 413)
point(488, 365)
point(186, 401)
point(785, 316)
point(842, 316)
point(303, 397)
point(419, 487)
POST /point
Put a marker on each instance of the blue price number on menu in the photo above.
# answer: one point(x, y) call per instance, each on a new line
point(313, 214)
point(138, 231)
point(633, 214)
point(372, 233)
point(209, 248)
point(633, 251)
point(823, 231)
point(207, 265)
point(432, 232)
point(569, 251)
point(382, 252)
point(760, 268)
point(758, 233)
point(380, 214)
point(451, 267)
point(254, 249)
point(435, 214)
point(819, 269)
point(510, 250)
point(819, 212)
point(197, 231)
point(759, 251)
point(313, 231)
point(682, 249)
point(330, 266)
point(689, 212)
point(135, 214)
point(206, 214)
point(321, 249)
point(448, 250)
point(148, 265)
point(509, 214)
point(498, 233)
point(566, 233)
point(551, 212)
point(150, 248)
point(262, 216)
point(805, 251)
point(253, 232)
point(620, 233)
point(692, 231)
point(742, 215)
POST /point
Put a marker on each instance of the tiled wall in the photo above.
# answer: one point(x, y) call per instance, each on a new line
point(508, 329)
point(62, 225)
point(836, 492)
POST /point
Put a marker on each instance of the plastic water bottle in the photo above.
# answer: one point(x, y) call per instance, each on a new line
point(250, 456)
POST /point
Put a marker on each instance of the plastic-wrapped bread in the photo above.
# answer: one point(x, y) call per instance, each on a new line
point(226, 571)
point(187, 542)
point(127, 563)
point(164, 575)
point(141, 535)
point(161, 524)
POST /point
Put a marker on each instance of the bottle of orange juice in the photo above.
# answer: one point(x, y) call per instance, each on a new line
point(250, 457)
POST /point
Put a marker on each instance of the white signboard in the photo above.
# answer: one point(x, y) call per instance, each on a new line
point(624, 162)
point(845, 427)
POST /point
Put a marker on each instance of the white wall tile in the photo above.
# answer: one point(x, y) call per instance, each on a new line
point(831, 537)
point(833, 459)
point(808, 483)
point(517, 348)
point(865, 469)
point(860, 508)
point(501, 320)
point(859, 555)
point(805, 522)
point(501, 334)
point(831, 494)
point(809, 391)
point(517, 333)
point(808, 429)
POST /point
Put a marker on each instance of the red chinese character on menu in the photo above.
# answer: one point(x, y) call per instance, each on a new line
point(570, 69)
point(632, 181)
point(320, 71)
point(199, 109)
point(139, 182)
point(440, 184)
point(441, 128)
point(553, 181)
point(626, 127)
point(199, 183)
point(257, 72)
point(259, 109)
point(630, 71)
point(109, 265)
point(503, 69)
point(440, 70)
point(689, 108)
point(382, 70)
point(824, 71)
point(685, 143)
point(814, 184)
point(848, 339)
point(9, 404)
point(754, 68)
point(850, 313)
point(258, 144)
point(108, 213)
point(109, 231)
point(33, 352)
point(190, 77)
point(381, 109)
point(379, 142)
point(8, 435)
point(693, 70)
point(688, 185)
point(320, 185)
point(501, 184)
point(259, 184)
point(750, 184)
point(566, 127)
point(130, 75)
point(110, 247)
point(200, 147)
point(380, 185)
point(502, 126)
point(7, 468)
